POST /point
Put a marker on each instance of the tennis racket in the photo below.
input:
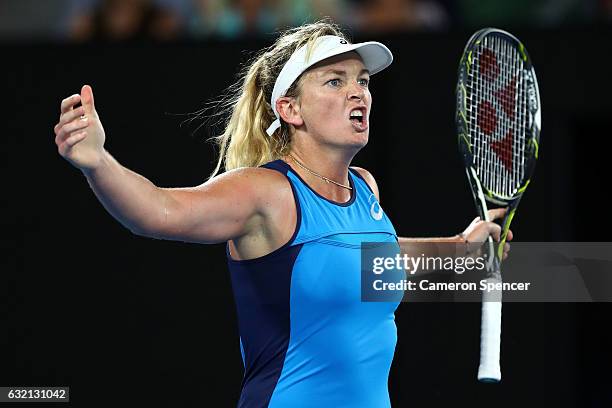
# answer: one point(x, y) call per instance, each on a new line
point(498, 123)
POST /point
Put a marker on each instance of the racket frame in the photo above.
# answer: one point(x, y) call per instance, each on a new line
point(489, 369)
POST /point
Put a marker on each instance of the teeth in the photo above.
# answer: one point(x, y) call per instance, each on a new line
point(356, 112)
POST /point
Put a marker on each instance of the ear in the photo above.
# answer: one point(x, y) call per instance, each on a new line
point(289, 110)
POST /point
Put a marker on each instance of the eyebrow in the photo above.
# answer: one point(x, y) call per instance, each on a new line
point(343, 73)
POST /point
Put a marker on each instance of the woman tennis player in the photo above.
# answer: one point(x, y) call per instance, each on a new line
point(292, 211)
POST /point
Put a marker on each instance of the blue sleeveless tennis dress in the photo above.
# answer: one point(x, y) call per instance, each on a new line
point(306, 338)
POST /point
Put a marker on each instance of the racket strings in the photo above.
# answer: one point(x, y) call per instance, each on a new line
point(497, 115)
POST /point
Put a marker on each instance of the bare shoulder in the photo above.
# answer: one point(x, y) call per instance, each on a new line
point(237, 203)
point(262, 184)
point(275, 222)
point(369, 178)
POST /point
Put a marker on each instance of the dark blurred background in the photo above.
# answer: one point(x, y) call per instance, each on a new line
point(128, 320)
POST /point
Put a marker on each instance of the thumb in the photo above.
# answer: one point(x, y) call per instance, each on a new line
point(87, 100)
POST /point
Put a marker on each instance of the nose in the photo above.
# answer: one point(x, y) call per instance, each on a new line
point(356, 91)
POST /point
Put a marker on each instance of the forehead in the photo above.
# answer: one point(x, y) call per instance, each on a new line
point(342, 62)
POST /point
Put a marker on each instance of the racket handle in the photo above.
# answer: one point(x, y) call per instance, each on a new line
point(490, 338)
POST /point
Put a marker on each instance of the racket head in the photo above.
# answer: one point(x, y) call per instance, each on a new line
point(498, 115)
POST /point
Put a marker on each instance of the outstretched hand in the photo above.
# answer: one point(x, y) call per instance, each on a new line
point(79, 134)
point(478, 231)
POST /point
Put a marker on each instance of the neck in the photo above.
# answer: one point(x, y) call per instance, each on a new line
point(314, 173)
point(326, 163)
point(329, 161)
point(321, 167)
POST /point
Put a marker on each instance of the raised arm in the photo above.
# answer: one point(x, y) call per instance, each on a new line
point(224, 208)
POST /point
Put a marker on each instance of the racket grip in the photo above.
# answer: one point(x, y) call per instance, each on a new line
point(490, 338)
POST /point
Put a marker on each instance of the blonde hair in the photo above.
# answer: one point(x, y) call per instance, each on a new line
point(245, 143)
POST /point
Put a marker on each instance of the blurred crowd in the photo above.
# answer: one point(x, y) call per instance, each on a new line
point(118, 20)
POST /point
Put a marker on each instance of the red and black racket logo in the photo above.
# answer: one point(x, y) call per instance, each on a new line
point(488, 117)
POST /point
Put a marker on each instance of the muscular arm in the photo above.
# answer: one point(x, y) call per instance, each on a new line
point(223, 208)
point(226, 207)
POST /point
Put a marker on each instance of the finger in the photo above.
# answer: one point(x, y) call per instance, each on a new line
point(510, 236)
point(494, 231)
point(497, 213)
point(70, 116)
point(69, 102)
point(75, 138)
point(88, 99)
point(69, 128)
point(506, 251)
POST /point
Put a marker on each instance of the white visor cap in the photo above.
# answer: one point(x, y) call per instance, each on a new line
point(375, 56)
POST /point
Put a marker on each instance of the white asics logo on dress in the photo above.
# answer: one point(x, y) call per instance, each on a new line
point(375, 209)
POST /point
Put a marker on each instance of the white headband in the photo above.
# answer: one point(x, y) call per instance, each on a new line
point(375, 56)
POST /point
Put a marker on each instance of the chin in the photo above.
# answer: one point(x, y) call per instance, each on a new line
point(350, 138)
point(360, 138)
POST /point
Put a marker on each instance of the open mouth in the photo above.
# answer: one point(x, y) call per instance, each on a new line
point(358, 118)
